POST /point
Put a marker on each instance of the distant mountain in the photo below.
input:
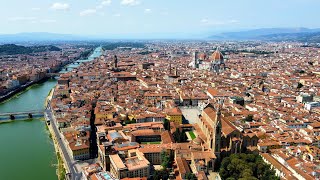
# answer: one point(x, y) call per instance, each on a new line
point(268, 34)
point(38, 36)
point(310, 37)
point(12, 49)
point(43, 37)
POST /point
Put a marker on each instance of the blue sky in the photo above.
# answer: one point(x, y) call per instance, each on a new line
point(110, 17)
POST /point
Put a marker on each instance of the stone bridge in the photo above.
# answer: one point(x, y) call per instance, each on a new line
point(21, 115)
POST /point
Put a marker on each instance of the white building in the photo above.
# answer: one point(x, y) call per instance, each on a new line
point(310, 106)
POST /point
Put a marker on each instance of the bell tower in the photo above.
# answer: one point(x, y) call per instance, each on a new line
point(195, 59)
point(115, 61)
point(216, 139)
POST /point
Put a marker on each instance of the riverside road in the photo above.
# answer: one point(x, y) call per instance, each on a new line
point(75, 173)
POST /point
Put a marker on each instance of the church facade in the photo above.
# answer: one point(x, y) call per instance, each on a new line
point(222, 137)
point(214, 63)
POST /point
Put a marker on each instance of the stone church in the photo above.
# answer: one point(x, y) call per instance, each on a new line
point(214, 63)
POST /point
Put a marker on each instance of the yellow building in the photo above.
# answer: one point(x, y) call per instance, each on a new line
point(105, 114)
point(104, 111)
point(78, 144)
point(174, 115)
point(80, 151)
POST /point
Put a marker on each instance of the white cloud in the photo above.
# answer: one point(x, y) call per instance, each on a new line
point(60, 6)
point(22, 18)
point(103, 4)
point(106, 2)
point(88, 12)
point(130, 2)
point(117, 15)
point(147, 10)
point(96, 10)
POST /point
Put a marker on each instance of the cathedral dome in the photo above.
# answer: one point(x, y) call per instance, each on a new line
point(217, 56)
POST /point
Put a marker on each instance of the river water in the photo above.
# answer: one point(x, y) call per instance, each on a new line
point(26, 151)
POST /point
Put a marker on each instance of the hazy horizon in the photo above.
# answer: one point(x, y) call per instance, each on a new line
point(123, 17)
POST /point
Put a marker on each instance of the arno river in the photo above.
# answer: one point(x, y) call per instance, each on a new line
point(26, 151)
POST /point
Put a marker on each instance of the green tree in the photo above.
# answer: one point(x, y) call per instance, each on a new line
point(249, 118)
point(246, 167)
point(176, 135)
point(156, 175)
point(166, 124)
point(180, 136)
point(165, 158)
point(191, 176)
point(183, 136)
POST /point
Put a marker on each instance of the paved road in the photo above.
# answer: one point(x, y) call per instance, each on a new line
point(75, 172)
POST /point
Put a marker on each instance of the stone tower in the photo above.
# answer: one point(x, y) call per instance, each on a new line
point(216, 139)
point(195, 59)
point(115, 62)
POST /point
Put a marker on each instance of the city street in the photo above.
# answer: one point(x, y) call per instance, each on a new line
point(74, 169)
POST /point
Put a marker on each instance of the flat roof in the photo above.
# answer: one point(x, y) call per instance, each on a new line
point(117, 161)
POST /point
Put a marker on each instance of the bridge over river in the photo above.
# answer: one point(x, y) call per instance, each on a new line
point(31, 135)
point(53, 74)
point(21, 115)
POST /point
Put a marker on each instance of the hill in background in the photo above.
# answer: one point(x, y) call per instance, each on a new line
point(12, 49)
point(273, 34)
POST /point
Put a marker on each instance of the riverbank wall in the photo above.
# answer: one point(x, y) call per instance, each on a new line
point(21, 89)
point(58, 151)
point(62, 163)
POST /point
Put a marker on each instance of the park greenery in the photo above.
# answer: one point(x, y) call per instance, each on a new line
point(61, 169)
point(85, 54)
point(123, 45)
point(12, 49)
point(192, 135)
point(246, 167)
